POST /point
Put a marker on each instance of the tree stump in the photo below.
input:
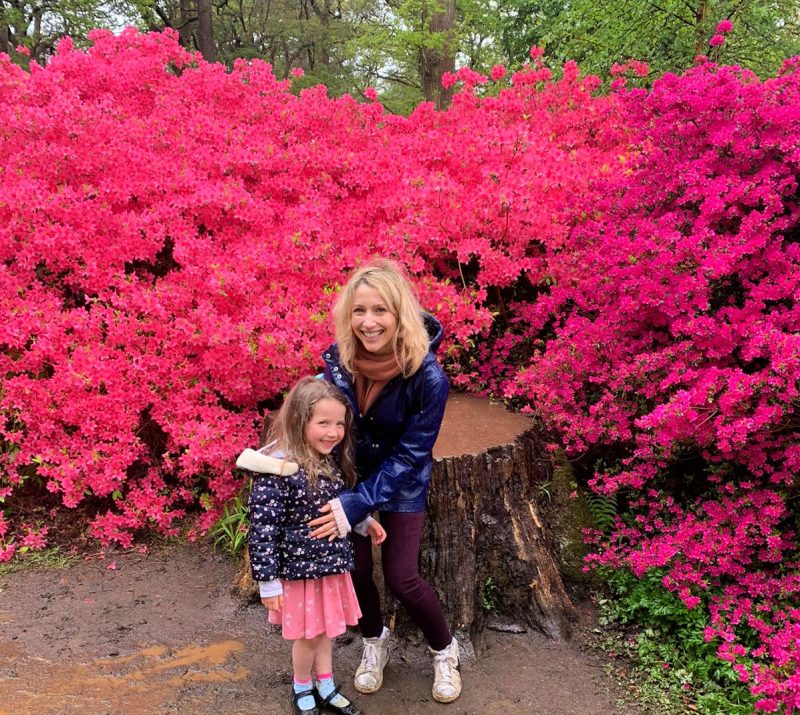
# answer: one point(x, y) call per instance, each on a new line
point(485, 550)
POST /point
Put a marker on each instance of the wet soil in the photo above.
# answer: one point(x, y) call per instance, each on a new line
point(161, 633)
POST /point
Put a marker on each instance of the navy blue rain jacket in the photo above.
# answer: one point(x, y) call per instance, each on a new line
point(395, 437)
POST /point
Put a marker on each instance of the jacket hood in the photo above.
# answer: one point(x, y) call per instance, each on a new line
point(435, 331)
point(256, 461)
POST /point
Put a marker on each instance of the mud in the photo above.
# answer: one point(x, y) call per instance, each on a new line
point(160, 633)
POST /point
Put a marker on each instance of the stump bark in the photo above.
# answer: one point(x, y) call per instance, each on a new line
point(485, 548)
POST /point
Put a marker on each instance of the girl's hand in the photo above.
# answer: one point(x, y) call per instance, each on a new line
point(324, 527)
point(274, 603)
point(376, 532)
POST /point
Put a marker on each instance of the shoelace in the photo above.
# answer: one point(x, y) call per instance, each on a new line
point(370, 659)
point(446, 666)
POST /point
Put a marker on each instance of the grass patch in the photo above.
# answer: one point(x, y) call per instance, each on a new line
point(52, 558)
point(230, 532)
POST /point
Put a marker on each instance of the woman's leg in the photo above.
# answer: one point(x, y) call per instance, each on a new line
point(400, 559)
point(371, 622)
point(369, 674)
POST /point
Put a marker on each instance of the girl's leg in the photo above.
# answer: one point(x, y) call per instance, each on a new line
point(323, 655)
point(323, 667)
point(371, 622)
point(400, 559)
point(303, 651)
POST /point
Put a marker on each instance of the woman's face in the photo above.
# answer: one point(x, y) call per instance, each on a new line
point(372, 321)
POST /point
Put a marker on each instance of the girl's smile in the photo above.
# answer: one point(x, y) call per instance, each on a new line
point(325, 428)
point(371, 320)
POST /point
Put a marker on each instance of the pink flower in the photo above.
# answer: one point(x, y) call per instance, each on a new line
point(497, 73)
point(297, 72)
point(470, 77)
point(7, 552)
point(65, 45)
point(536, 51)
point(448, 79)
point(724, 27)
point(35, 539)
point(716, 41)
point(21, 49)
point(371, 94)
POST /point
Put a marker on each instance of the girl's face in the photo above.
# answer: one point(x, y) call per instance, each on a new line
point(371, 320)
point(325, 428)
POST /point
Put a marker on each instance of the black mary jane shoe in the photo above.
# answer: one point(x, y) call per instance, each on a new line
point(325, 703)
point(297, 697)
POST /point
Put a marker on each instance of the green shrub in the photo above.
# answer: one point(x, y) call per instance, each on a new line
point(664, 640)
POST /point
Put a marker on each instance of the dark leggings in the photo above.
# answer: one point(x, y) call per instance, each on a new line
point(400, 560)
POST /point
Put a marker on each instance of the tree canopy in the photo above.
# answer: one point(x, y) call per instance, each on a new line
point(402, 47)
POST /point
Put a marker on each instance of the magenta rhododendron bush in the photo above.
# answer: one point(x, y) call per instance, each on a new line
point(172, 236)
point(670, 345)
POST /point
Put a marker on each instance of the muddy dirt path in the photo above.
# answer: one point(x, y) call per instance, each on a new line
point(160, 634)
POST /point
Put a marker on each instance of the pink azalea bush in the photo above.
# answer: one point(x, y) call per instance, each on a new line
point(172, 235)
point(669, 342)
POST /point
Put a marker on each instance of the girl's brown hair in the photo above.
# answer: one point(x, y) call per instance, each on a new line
point(287, 431)
point(411, 342)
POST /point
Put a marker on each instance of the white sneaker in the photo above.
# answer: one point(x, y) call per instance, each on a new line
point(369, 675)
point(446, 673)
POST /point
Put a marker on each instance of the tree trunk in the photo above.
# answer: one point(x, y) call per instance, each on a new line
point(185, 22)
point(435, 61)
point(205, 31)
point(701, 39)
point(5, 43)
point(485, 549)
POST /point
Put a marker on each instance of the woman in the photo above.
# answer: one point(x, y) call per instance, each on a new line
point(384, 362)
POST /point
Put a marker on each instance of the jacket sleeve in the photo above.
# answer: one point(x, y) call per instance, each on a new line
point(266, 513)
point(408, 456)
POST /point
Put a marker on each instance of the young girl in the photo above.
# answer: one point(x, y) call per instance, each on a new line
point(304, 582)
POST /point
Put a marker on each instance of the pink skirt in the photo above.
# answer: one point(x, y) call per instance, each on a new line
point(320, 605)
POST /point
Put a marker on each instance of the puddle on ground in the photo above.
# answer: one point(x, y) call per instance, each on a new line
point(134, 683)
